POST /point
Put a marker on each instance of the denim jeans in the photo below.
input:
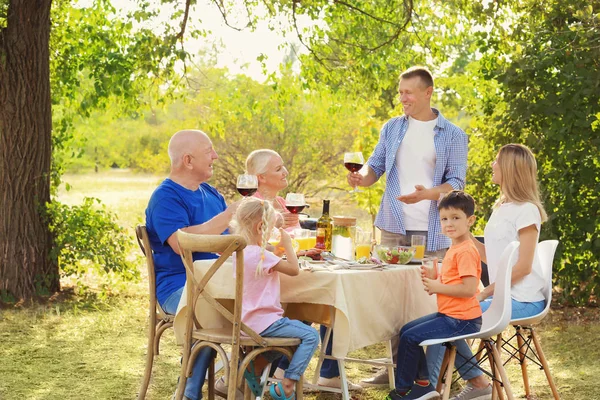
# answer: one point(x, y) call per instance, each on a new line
point(193, 386)
point(411, 362)
point(329, 368)
point(309, 340)
point(468, 371)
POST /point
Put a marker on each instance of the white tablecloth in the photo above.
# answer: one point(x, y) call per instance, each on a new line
point(370, 306)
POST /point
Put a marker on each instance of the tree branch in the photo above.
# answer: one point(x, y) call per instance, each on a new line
point(223, 11)
point(361, 11)
point(184, 22)
point(294, 2)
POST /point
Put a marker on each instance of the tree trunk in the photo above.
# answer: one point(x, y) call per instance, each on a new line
point(25, 151)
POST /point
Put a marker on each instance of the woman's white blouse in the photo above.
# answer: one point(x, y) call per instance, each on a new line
point(502, 228)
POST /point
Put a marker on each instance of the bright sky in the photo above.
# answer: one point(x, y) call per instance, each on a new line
point(239, 49)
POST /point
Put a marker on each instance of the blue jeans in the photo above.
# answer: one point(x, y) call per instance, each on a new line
point(411, 363)
point(329, 368)
point(193, 386)
point(309, 340)
point(468, 371)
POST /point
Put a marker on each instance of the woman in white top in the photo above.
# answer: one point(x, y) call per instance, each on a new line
point(517, 215)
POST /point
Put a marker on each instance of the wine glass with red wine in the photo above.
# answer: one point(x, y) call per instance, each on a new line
point(247, 185)
point(354, 162)
point(294, 202)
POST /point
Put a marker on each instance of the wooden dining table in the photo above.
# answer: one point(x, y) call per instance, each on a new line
point(363, 307)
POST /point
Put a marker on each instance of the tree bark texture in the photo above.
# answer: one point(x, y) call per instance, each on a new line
point(25, 151)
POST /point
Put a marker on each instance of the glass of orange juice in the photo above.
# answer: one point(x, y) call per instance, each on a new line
point(418, 242)
point(363, 244)
point(302, 236)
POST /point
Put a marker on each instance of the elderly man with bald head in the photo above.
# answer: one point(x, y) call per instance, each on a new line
point(185, 201)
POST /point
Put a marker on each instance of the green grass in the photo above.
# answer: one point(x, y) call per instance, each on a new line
point(86, 347)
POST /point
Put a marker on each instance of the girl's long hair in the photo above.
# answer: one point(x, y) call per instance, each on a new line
point(248, 215)
point(519, 177)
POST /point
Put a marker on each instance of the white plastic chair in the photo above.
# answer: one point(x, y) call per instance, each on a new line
point(495, 320)
point(546, 250)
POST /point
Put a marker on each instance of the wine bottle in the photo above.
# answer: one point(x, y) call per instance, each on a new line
point(324, 229)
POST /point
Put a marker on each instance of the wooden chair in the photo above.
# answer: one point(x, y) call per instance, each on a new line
point(159, 320)
point(197, 337)
point(495, 320)
point(525, 331)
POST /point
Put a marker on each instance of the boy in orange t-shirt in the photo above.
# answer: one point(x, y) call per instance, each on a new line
point(458, 313)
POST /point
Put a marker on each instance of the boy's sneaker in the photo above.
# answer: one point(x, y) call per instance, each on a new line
point(470, 392)
point(417, 392)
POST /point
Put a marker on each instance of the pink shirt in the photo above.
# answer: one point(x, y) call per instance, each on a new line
point(262, 299)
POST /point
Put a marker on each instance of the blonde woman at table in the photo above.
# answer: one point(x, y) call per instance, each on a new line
point(456, 289)
point(261, 305)
point(517, 215)
point(268, 167)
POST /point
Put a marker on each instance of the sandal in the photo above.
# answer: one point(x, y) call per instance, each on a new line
point(281, 396)
point(253, 380)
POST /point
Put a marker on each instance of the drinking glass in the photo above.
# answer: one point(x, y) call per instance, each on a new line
point(354, 162)
point(247, 185)
point(294, 202)
point(363, 244)
point(418, 242)
point(431, 263)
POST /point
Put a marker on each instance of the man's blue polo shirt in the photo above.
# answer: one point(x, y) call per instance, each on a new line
point(172, 207)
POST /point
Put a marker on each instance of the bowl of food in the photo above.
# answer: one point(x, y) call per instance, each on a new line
point(395, 254)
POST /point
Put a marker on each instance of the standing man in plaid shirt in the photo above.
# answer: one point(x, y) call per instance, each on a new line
point(423, 155)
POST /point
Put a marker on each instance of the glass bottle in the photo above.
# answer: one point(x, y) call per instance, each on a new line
point(324, 229)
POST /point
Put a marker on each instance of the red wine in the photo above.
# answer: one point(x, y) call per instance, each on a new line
point(295, 209)
point(353, 167)
point(246, 191)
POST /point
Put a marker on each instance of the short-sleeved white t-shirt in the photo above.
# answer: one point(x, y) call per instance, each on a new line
point(415, 161)
point(501, 229)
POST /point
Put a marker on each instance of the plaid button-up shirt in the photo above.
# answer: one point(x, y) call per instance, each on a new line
point(451, 145)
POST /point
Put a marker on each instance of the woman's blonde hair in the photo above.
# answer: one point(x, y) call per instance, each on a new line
point(248, 215)
point(519, 177)
point(257, 161)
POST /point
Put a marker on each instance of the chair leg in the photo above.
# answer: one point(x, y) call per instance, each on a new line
point(149, 361)
point(496, 387)
point(440, 382)
point(523, 361)
point(503, 375)
point(185, 359)
point(390, 368)
point(540, 353)
point(300, 388)
point(344, 380)
point(449, 371)
point(247, 392)
point(160, 328)
point(324, 344)
point(234, 371)
point(479, 348)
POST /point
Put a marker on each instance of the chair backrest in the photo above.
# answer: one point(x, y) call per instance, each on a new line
point(545, 251)
point(144, 242)
point(226, 245)
point(497, 316)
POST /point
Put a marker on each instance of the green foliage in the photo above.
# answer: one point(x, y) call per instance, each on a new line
point(87, 237)
point(545, 63)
